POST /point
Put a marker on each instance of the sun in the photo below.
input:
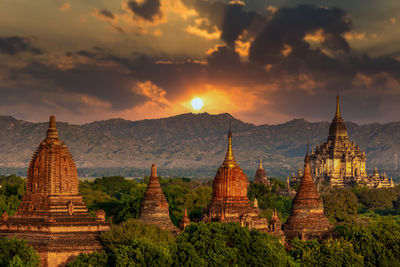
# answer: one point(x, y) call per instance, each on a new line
point(197, 103)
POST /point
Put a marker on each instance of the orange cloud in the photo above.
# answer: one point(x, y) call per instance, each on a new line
point(65, 7)
point(203, 28)
point(354, 36)
point(287, 49)
point(242, 47)
point(316, 37)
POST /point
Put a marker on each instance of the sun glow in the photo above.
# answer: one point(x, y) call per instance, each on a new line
point(197, 103)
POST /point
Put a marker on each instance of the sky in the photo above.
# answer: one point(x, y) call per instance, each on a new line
point(263, 61)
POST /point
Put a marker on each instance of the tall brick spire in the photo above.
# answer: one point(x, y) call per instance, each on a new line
point(229, 201)
point(154, 208)
point(308, 210)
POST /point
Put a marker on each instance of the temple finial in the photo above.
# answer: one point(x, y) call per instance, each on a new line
point(337, 105)
point(261, 165)
point(229, 158)
point(307, 157)
point(153, 170)
point(52, 131)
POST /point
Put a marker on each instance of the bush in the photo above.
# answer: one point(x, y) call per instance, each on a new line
point(14, 252)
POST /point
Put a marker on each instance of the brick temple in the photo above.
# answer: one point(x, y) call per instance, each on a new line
point(229, 201)
point(154, 208)
point(261, 177)
point(52, 216)
point(307, 220)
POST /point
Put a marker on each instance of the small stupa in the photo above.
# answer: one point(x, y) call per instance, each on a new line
point(307, 220)
point(185, 221)
point(261, 176)
point(154, 208)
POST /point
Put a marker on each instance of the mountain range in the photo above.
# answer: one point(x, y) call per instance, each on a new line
point(192, 145)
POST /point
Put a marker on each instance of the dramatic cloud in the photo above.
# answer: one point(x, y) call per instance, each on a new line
point(259, 62)
point(13, 45)
point(148, 9)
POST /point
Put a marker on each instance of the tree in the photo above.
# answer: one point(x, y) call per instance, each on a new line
point(127, 232)
point(95, 259)
point(328, 253)
point(141, 252)
point(227, 244)
point(16, 252)
point(379, 242)
point(340, 206)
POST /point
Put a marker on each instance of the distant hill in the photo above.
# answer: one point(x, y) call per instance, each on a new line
point(191, 144)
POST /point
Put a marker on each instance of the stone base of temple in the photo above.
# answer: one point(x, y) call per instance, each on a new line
point(57, 241)
point(159, 217)
point(235, 210)
point(313, 225)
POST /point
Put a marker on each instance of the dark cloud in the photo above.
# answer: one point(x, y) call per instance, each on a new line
point(296, 77)
point(13, 45)
point(232, 18)
point(108, 14)
point(148, 10)
point(289, 26)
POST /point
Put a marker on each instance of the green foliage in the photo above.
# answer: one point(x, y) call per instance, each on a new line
point(95, 259)
point(268, 200)
point(11, 192)
point(379, 242)
point(131, 202)
point(127, 232)
point(227, 244)
point(340, 206)
point(141, 252)
point(117, 196)
point(183, 193)
point(328, 253)
point(14, 252)
point(378, 198)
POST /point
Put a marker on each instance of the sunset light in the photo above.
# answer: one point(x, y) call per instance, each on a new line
point(197, 103)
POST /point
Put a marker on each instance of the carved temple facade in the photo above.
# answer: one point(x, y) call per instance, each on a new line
point(52, 216)
point(340, 162)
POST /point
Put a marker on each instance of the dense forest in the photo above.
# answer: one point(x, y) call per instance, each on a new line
point(367, 228)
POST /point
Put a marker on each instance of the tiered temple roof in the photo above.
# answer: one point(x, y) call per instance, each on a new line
point(154, 208)
point(229, 200)
point(307, 219)
point(52, 215)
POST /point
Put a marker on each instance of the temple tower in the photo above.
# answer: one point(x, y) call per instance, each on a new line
point(185, 221)
point(307, 219)
point(339, 161)
point(52, 216)
point(260, 176)
point(154, 208)
point(229, 201)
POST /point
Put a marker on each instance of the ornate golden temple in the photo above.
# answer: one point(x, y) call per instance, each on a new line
point(341, 162)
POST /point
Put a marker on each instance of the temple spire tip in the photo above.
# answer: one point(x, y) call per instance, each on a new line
point(337, 105)
point(229, 158)
point(52, 131)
